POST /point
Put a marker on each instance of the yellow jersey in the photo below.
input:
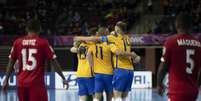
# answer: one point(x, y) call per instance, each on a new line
point(84, 69)
point(123, 43)
point(102, 56)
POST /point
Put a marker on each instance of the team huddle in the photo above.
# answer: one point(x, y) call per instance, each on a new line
point(105, 63)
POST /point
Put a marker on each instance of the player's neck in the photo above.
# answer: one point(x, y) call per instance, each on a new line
point(32, 34)
point(182, 32)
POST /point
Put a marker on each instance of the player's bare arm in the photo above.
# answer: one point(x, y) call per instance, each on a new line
point(57, 68)
point(132, 54)
point(162, 71)
point(83, 38)
point(8, 73)
point(90, 60)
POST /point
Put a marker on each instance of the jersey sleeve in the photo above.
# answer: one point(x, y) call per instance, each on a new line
point(91, 48)
point(13, 52)
point(167, 52)
point(108, 38)
point(50, 54)
point(113, 48)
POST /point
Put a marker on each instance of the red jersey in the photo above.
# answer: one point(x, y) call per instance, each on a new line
point(182, 55)
point(31, 51)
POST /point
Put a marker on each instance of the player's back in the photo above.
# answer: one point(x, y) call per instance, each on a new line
point(102, 53)
point(123, 43)
point(84, 69)
point(31, 52)
point(183, 57)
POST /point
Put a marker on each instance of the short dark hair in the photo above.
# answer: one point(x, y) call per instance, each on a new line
point(102, 31)
point(184, 21)
point(122, 25)
point(33, 26)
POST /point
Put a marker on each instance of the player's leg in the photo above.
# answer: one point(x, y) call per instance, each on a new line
point(21, 94)
point(109, 96)
point(108, 86)
point(183, 97)
point(82, 89)
point(97, 97)
point(90, 98)
point(117, 95)
point(90, 83)
point(119, 84)
point(124, 96)
point(128, 85)
point(83, 98)
point(99, 87)
point(38, 93)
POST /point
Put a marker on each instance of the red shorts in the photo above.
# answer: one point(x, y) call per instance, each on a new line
point(32, 94)
point(183, 97)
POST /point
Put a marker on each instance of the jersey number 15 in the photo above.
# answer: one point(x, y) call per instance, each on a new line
point(31, 58)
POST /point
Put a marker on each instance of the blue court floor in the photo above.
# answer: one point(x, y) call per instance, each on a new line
point(71, 95)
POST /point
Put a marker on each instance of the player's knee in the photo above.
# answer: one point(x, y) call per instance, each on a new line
point(124, 95)
point(98, 96)
point(95, 99)
point(125, 99)
point(117, 94)
point(118, 99)
point(82, 98)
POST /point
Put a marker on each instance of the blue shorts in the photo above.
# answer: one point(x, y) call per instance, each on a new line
point(122, 80)
point(86, 86)
point(103, 82)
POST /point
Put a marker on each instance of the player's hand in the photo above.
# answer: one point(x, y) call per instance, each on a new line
point(76, 44)
point(65, 83)
point(161, 90)
point(135, 57)
point(5, 86)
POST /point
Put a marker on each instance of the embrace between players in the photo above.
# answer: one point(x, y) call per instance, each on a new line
point(105, 63)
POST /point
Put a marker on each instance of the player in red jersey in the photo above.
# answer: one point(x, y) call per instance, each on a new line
point(181, 60)
point(31, 51)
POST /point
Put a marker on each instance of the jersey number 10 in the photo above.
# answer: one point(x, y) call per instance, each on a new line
point(31, 58)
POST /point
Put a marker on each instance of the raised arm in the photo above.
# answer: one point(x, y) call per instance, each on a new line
point(90, 60)
point(83, 38)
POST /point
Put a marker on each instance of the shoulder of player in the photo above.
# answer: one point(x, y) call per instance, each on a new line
point(19, 40)
point(42, 39)
point(171, 38)
point(107, 43)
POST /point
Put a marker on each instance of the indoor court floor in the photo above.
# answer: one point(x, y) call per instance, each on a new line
point(71, 95)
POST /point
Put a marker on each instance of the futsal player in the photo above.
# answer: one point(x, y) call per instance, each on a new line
point(100, 58)
point(123, 72)
point(85, 75)
point(31, 51)
point(181, 60)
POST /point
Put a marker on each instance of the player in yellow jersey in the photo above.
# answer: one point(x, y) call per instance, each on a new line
point(85, 77)
point(123, 73)
point(100, 58)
